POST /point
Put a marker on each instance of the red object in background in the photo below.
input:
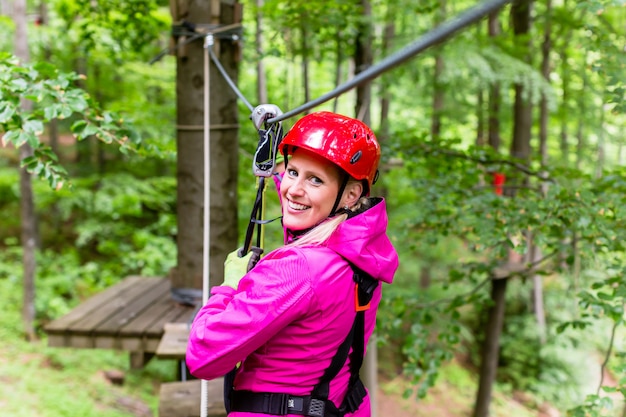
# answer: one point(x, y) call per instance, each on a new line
point(498, 182)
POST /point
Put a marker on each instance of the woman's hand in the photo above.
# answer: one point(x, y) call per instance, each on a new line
point(236, 266)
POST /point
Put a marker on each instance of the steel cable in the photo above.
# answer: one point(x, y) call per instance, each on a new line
point(429, 39)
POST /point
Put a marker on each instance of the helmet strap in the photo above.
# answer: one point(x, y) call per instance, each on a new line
point(342, 188)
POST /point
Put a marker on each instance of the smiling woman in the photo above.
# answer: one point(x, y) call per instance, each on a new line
point(294, 317)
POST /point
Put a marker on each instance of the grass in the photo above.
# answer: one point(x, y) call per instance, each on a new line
point(454, 395)
point(61, 382)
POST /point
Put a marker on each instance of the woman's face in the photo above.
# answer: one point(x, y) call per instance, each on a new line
point(309, 189)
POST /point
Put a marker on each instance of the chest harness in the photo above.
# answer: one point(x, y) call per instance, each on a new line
point(317, 403)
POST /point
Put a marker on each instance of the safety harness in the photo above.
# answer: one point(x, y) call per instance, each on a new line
point(317, 404)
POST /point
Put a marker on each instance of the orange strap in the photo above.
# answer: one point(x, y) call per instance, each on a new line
point(356, 300)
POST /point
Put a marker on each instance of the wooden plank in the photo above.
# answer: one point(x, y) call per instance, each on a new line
point(91, 304)
point(133, 308)
point(110, 334)
point(145, 323)
point(114, 306)
point(182, 399)
point(151, 337)
point(173, 344)
point(178, 314)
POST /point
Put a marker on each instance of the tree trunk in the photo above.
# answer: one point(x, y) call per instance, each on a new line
point(580, 130)
point(305, 63)
point(522, 108)
point(6, 8)
point(535, 253)
point(385, 95)
point(480, 118)
point(83, 147)
point(363, 59)
point(438, 90)
point(601, 152)
point(190, 149)
point(27, 200)
point(546, 47)
point(537, 293)
point(425, 277)
point(520, 148)
point(53, 131)
point(491, 348)
point(494, 93)
point(339, 57)
point(260, 66)
point(565, 76)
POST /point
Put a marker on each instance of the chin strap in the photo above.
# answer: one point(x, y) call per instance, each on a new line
point(342, 188)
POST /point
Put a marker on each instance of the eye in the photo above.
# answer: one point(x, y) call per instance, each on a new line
point(316, 181)
point(292, 173)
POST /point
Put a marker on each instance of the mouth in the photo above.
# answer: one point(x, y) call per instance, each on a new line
point(297, 206)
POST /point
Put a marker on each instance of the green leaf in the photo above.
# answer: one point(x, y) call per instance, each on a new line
point(18, 85)
point(11, 136)
point(31, 139)
point(33, 126)
point(76, 100)
point(7, 111)
point(50, 112)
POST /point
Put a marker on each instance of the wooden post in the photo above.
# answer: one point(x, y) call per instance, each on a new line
point(189, 140)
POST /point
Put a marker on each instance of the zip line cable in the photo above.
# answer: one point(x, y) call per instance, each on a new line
point(435, 36)
point(229, 80)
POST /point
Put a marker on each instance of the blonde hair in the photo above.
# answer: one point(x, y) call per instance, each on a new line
point(323, 231)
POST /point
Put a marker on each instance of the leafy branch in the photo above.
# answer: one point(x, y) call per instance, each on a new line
point(54, 96)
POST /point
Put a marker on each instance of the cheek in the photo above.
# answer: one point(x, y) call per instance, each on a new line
point(284, 185)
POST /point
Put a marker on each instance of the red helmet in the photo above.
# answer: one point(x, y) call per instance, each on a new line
point(347, 142)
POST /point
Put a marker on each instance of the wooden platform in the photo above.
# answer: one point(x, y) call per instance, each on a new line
point(130, 315)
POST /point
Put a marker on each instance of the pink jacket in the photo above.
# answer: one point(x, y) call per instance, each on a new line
point(291, 312)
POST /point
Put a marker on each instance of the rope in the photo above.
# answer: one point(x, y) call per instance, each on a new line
point(208, 43)
point(431, 38)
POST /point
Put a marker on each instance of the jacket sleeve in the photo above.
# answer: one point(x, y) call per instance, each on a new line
point(234, 323)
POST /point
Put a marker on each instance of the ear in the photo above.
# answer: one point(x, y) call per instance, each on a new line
point(352, 193)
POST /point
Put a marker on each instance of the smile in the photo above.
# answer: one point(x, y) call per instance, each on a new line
point(296, 206)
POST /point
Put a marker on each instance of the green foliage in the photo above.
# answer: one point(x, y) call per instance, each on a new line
point(101, 231)
point(446, 195)
point(53, 96)
point(121, 28)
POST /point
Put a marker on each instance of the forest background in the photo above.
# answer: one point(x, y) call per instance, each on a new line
point(513, 292)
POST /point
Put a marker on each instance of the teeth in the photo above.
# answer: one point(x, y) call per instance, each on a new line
point(296, 206)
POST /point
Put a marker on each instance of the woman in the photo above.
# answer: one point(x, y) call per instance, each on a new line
point(288, 320)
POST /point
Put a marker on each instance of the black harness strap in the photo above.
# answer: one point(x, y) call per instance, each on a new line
point(317, 404)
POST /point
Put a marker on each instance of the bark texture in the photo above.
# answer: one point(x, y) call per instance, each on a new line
point(190, 147)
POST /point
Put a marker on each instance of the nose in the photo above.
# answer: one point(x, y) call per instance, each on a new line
point(295, 187)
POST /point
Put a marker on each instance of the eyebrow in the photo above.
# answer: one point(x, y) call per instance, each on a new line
point(325, 176)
